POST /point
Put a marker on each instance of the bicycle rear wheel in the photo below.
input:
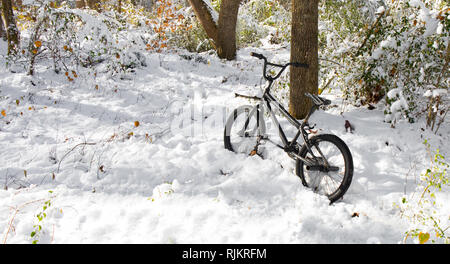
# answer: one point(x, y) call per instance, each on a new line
point(244, 129)
point(330, 171)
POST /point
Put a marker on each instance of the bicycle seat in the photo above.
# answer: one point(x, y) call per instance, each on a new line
point(317, 100)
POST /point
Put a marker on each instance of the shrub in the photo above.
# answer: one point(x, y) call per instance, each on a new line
point(70, 38)
point(421, 212)
point(396, 55)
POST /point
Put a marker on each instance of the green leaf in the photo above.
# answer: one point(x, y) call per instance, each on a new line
point(33, 234)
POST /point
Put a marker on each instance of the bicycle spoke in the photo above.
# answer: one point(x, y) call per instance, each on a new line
point(244, 133)
point(328, 156)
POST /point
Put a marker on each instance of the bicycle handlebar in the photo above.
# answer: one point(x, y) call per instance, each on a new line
point(270, 78)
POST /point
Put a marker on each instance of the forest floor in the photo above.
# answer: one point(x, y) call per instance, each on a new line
point(168, 179)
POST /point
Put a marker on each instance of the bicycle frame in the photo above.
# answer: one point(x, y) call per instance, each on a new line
point(290, 147)
point(266, 102)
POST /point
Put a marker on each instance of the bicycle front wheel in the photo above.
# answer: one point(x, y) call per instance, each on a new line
point(244, 129)
point(329, 169)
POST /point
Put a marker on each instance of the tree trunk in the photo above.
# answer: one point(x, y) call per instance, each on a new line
point(80, 4)
point(12, 33)
point(222, 32)
point(2, 31)
point(204, 16)
point(92, 4)
point(304, 48)
point(226, 46)
point(119, 6)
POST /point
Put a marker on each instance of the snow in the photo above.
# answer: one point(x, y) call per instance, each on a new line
point(171, 180)
point(212, 11)
point(381, 10)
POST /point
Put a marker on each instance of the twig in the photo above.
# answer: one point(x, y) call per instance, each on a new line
point(328, 83)
point(17, 209)
point(431, 116)
point(335, 62)
point(247, 96)
point(441, 121)
point(81, 144)
point(371, 30)
point(53, 234)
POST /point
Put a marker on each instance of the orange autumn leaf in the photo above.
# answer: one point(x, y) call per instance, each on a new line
point(3, 113)
point(136, 123)
point(423, 237)
point(38, 43)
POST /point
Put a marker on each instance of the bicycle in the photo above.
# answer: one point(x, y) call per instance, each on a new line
point(324, 162)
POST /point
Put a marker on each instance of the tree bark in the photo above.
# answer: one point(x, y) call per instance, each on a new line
point(226, 48)
point(222, 33)
point(12, 33)
point(119, 6)
point(2, 31)
point(206, 19)
point(80, 4)
point(304, 48)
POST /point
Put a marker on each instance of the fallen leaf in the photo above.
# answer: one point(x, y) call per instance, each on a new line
point(3, 113)
point(423, 237)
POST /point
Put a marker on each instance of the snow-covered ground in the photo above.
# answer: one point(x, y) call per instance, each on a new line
point(168, 178)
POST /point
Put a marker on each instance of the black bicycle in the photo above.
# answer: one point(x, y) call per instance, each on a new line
point(323, 162)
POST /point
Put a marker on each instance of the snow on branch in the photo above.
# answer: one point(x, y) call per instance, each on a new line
point(212, 11)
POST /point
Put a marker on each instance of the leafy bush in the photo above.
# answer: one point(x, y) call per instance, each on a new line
point(70, 38)
point(396, 54)
point(421, 212)
point(260, 18)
